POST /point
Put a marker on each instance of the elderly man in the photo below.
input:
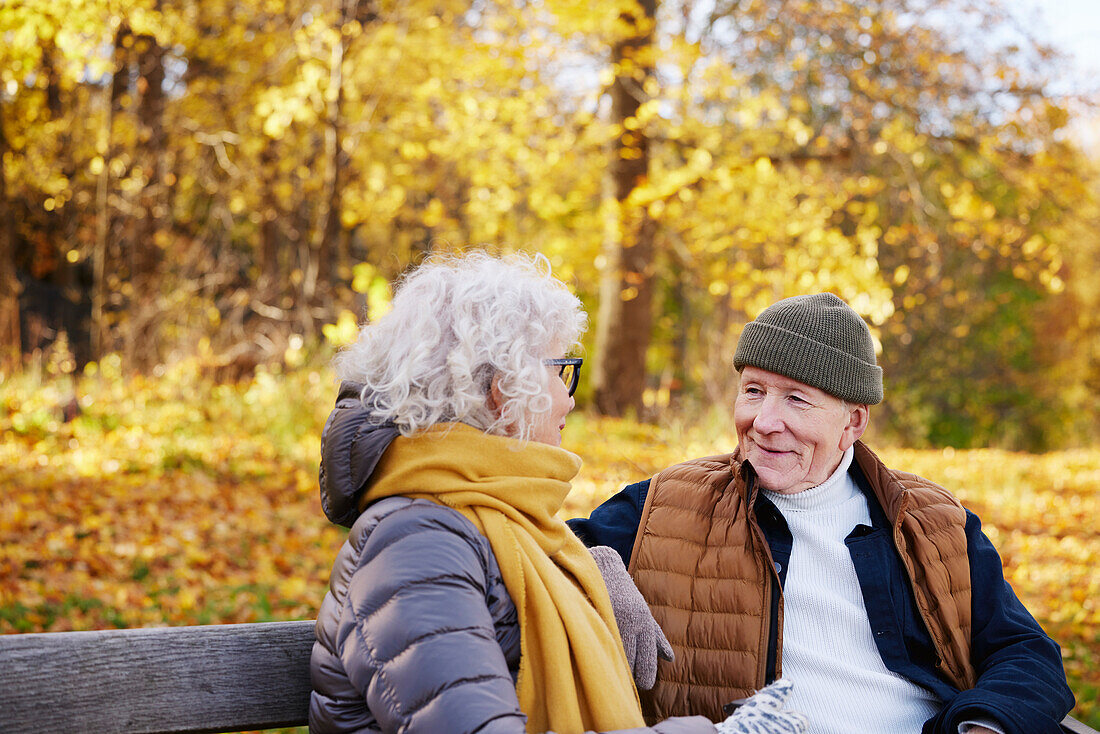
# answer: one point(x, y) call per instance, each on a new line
point(874, 591)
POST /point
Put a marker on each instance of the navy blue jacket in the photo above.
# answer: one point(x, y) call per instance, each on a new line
point(1021, 681)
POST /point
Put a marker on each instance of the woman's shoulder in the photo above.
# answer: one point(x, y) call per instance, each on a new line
point(404, 514)
point(412, 522)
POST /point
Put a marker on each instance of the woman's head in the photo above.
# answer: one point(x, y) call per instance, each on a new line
point(465, 341)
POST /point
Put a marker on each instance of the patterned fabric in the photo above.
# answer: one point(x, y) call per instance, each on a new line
point(763, 713)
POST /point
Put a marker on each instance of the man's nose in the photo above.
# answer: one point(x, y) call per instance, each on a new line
point(769, 417)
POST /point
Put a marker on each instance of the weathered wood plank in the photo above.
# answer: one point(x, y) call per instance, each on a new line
point(176, 679)
point(219, 678)
point(1071, 725)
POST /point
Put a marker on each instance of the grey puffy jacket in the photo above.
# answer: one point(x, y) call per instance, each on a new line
point(417, 632)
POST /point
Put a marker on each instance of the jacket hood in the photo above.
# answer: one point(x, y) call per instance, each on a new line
point(352, 442)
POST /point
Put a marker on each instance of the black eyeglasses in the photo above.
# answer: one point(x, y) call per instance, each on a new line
point(569, 370)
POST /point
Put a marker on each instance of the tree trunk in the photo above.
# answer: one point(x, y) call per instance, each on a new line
point(10, 337)
point(626, 288)
point(329, 253)
point(270, 240)
point(146, 253)
point(61, 229)
point(105, 217)
point(327, 249)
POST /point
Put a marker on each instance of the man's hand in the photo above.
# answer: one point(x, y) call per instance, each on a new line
point(643, 639)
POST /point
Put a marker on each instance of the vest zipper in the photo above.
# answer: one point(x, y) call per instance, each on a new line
point(769, 659)
point(772, 594)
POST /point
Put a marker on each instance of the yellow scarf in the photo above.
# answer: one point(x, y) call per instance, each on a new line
point(573, 674)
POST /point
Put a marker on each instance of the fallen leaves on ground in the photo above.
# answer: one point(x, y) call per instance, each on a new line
point(174, 501)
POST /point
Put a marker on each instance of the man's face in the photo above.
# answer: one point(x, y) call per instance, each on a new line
point(794, 435)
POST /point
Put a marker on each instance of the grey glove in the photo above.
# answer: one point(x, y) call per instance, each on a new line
point(763, 713)
point(643, 639)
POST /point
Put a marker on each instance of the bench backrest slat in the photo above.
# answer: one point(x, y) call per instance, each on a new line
point(219, 678)
point(176, 679)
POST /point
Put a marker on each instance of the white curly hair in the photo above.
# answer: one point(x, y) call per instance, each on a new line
point(457, 321)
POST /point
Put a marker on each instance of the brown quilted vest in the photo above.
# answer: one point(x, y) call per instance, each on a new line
point(703, 564)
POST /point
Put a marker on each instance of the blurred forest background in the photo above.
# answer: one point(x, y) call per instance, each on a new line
point(199, 200)
point(224, 178)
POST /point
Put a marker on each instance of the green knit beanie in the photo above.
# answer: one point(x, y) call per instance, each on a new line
point(819, 340)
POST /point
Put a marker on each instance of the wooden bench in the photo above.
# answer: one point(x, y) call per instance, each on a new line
point(217, 678)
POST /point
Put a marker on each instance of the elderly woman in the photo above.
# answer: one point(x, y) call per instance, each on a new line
point(460, 602)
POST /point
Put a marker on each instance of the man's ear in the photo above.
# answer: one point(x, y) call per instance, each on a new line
point(496, 397)
point(858, 418)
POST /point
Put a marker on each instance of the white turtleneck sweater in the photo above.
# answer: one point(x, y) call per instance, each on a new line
point(829, 652)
